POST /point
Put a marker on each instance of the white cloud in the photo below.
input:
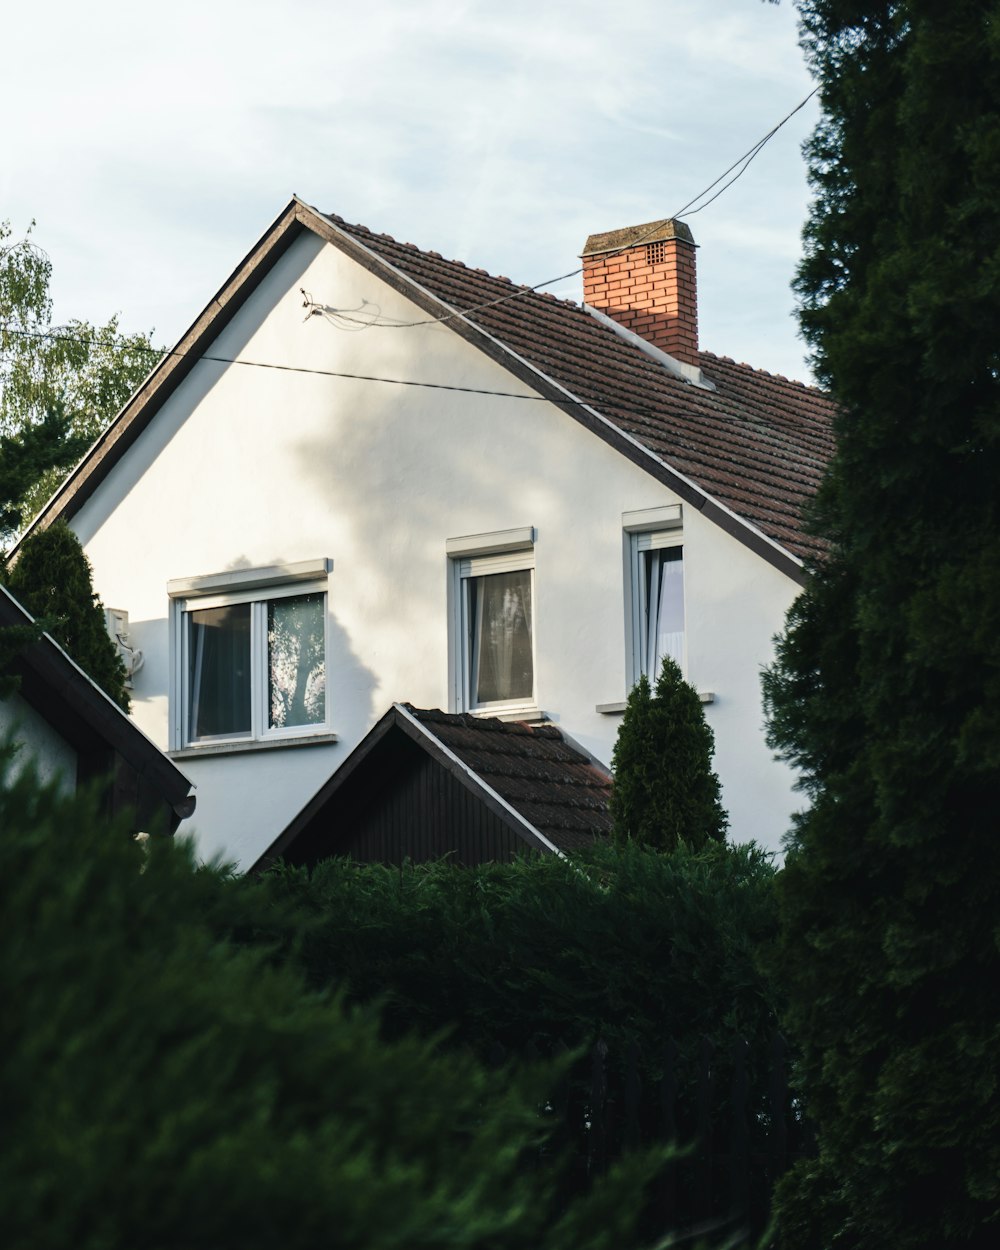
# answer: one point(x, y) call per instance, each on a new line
point(157, 143)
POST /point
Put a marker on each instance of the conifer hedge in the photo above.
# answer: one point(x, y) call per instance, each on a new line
point(163, 1087)
point(616, 943)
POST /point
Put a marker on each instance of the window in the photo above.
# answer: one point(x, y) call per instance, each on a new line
point(493, 621)
point(250, 655)
point(655, 602)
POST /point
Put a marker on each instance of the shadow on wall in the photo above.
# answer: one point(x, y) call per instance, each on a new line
point(404, 470)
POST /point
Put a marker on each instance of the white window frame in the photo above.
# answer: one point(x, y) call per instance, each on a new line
point(478, 555)
point(651, 529)
point(258, 587)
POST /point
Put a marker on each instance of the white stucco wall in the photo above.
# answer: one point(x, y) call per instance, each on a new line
point(37, 743)
point(249, 467)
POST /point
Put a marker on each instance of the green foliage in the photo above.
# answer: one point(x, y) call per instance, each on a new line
point(52, 579)
point(615, 943)
point(162, 1087)
point(624, 945)
point(665, 791)
point(25, 460)
point(84, 371)
point(886, 690)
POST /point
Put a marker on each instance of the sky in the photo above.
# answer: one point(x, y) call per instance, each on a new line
point(154, 144)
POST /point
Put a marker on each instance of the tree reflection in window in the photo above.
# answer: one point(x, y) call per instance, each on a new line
point(296, 661)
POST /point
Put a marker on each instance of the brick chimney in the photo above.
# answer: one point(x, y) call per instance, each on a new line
point(644, 278)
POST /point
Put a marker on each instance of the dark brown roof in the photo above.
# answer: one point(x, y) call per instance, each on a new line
point(534, 781)
point(543, 776)
point(758, 443)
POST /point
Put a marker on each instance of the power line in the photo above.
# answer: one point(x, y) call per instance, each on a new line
point(335, 315)
point(354, 377)
point(743, 162)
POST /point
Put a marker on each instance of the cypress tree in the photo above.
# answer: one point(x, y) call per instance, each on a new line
point(665, 791)
point(52, 579)
point(886, 691)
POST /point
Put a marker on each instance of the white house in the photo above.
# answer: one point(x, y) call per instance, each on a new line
point(368, 475)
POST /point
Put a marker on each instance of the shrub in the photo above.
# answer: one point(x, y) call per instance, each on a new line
point(163, 1088)
point(665, 791)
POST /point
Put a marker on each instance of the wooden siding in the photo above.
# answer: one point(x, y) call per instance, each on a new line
point(404, 805)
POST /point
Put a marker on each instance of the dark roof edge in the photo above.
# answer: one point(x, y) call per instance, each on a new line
point(167, 375)
point(399, 717)
point(588, 416)
point(88, 701)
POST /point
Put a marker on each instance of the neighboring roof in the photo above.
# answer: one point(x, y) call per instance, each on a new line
point(542, 786)
point(748, 454)
point(85, 717)
point(536, 768)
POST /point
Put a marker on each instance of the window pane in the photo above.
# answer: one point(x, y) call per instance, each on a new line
point(296, 664)
point(500, 637)
point(664, 572)
point(219, 677)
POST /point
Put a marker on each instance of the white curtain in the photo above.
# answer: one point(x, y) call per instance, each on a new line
point(500, 604)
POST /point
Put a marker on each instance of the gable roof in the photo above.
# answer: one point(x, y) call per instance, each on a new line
point(748, 453)
point(542, 788)
point(756, 443)
point(106, 741)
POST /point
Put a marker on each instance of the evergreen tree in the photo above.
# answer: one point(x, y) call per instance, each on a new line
point(27, 457)
point(886, 691)
point(52, 579)
point(665, 791)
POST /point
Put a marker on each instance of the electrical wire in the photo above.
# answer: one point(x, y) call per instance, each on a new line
point(354, 377)
point(743, 162)
point(343, 320)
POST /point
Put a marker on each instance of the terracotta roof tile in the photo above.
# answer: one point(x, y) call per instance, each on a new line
point(545, 778)
point(758, 443)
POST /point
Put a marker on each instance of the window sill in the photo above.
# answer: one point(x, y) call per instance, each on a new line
point(260, 744)
point(616, 709)
point(531, 715)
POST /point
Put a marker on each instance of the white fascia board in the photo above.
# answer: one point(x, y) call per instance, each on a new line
point(457, 315)
point(476, 780)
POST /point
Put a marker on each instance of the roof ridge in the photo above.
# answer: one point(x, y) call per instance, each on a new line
point(478, 270)
point(811, 387)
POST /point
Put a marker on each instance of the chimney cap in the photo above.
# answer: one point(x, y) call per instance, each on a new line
point(634, 236)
